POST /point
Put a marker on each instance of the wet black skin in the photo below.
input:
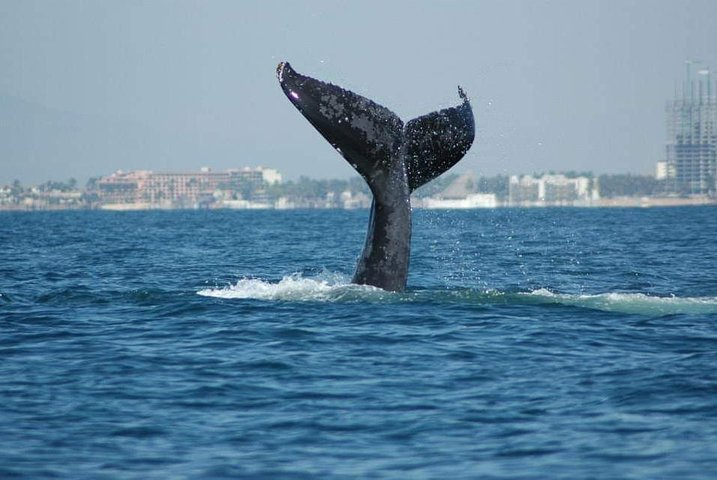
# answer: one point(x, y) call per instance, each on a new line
point(394, 158)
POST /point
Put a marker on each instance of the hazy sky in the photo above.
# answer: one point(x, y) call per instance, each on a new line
point(94, 86)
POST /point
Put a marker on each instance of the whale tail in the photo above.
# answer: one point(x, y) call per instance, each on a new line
point(372, 138)
point(393, 158)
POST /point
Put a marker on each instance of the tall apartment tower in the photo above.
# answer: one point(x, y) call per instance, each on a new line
point(691, 165)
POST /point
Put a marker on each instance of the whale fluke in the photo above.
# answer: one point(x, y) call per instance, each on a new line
point(393, 158)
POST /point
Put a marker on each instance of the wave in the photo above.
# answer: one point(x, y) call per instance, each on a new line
point(637, 303)
point(327, 287)
point(337, 288)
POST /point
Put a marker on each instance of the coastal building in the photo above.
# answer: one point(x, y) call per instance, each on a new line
point(350, 201)
point(459, 194)
point(473, 200)
point(122, 187)
point(146, 189)
point(523, 190)
point(663, 170)
point(549, 190)
point(691, 165)
point(7, 196)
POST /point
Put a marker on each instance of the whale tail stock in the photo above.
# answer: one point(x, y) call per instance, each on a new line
point(394, 158)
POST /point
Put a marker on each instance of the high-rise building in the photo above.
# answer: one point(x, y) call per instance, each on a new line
point(691, 166)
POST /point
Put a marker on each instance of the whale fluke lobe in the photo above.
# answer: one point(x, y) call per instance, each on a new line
point(393, 158)
point(437, 141)
point(366, 134)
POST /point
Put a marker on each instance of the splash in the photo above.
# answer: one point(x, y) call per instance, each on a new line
point(332, 287)
point(327, 287)
point(630, 303)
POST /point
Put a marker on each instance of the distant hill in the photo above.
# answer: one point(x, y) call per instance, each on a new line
point(461, 187)
point(39, 143)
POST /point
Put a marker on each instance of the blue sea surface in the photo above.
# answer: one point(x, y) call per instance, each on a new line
point(531, 344)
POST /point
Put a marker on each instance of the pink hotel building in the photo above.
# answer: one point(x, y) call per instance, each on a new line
point(143, 187)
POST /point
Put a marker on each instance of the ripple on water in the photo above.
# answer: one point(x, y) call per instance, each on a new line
point(530, 344)
point(296, 288)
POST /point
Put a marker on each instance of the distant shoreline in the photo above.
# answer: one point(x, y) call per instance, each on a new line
point(622, 202)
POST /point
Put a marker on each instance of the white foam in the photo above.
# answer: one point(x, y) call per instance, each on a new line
point(637, 303)
point(331, 287)
point(327, 287)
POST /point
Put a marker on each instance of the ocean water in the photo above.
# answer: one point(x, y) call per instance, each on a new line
point(531, 344)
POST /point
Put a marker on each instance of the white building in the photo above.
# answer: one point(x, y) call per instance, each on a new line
point(270, 176)
point(474, 200)
point(664, 170)
point(549, 190)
